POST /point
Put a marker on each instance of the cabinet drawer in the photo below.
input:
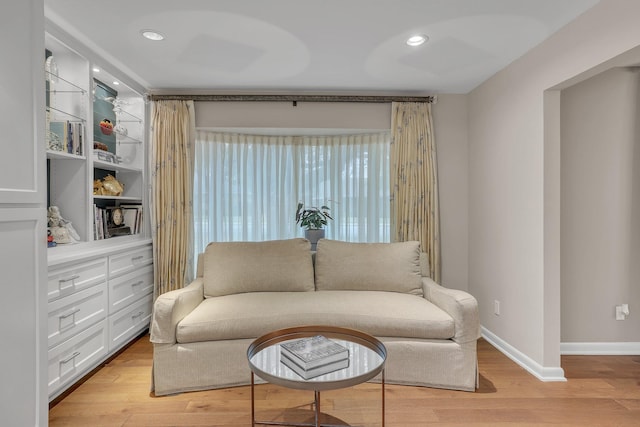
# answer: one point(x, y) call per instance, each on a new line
point(126, 289)
point(74, 313)
point(73, 278)
point(77, 356)
point(129, 261)
point(129, 321)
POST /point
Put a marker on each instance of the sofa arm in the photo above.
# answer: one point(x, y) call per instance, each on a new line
point(171, 307)
point(458, 304)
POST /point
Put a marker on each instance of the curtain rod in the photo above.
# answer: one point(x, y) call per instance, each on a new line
point(296, 98)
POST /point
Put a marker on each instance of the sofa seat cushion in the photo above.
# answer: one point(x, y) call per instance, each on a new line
point(249, 315)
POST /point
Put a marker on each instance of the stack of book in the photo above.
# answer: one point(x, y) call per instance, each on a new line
point(314, 356)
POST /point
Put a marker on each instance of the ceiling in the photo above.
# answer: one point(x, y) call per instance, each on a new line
point(313, 46)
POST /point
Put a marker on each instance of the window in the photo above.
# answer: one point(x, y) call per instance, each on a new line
point(247, 187)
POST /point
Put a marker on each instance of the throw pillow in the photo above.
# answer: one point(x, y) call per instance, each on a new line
point(393, 267)
point(270, 266)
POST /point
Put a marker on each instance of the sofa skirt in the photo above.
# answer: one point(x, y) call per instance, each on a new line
point(219, 364)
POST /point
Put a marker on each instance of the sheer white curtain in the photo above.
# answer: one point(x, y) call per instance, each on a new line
point(247, 187)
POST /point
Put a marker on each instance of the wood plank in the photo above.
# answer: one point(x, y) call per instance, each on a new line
point(601, 390)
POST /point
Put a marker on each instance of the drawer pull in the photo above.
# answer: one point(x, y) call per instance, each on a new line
point(64, 316)
point(137, 258)
point(138, 283)
point(70, 279)
point(135, 316)
point(70, 358)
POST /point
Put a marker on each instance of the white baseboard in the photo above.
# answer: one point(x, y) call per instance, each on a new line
point(534, 368)
point(600, 348)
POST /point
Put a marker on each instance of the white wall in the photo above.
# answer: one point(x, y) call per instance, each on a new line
point(600, 214)
point(450, 116)
point(450, 124)
point(514, 181)
point(332, 115)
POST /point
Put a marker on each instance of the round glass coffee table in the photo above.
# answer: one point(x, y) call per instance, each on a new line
point(366, 359)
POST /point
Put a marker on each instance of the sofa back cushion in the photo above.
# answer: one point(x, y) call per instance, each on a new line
point(393, 267)
point(271, 266)
point(200, 265)
point(425, 270)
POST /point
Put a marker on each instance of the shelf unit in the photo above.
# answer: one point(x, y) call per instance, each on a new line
point(125, 108)
point(72, 96)
point(130, 177)
point(99, 291)
point(67, 100)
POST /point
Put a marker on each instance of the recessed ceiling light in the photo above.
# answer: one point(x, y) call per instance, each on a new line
point(116, 83)
point(96, 69)
point(417, 40)
point(152, 35)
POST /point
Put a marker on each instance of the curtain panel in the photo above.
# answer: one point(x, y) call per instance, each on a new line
point(247, 187)
point(414, 180)
point(172, 135)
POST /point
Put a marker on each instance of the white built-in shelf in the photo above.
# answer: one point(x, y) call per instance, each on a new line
point(126, 139)
point(119, 167)
point(52, 154)
point(66, 115)
point(59, 85)
point(118, 198)
point(126, 117)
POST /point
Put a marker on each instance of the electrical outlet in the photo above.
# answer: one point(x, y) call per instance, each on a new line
point(622, 311)
point(496, 307)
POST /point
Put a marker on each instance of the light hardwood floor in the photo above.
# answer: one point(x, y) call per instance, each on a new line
point(600, 391)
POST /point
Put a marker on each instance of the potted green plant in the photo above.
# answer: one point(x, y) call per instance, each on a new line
point(313, 220)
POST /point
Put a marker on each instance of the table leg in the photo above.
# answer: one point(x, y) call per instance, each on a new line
point(383, 398)
point(253, 413)
point(317, 402)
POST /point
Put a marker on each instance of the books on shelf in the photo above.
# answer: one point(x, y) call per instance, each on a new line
point(66, 136)
point(133, 217)
point(98, 222)
point(316, 371)
point(104, 226)
point(313, 353)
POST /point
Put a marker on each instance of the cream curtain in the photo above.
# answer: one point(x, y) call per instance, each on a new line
point(172, 134)
point(247, 187)
point(414, 180)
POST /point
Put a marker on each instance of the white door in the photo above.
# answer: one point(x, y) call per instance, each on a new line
point(23, 263)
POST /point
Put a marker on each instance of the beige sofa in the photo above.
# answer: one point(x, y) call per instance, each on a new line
point(200, 333)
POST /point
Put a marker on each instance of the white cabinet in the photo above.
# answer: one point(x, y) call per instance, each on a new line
point(128, 322)
point(71, 278)
point(100, 299)
point(129, 261)
point(74, 313)
point(130, 294)
point(99, 288)
point(75, 357)
point(125, 289)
